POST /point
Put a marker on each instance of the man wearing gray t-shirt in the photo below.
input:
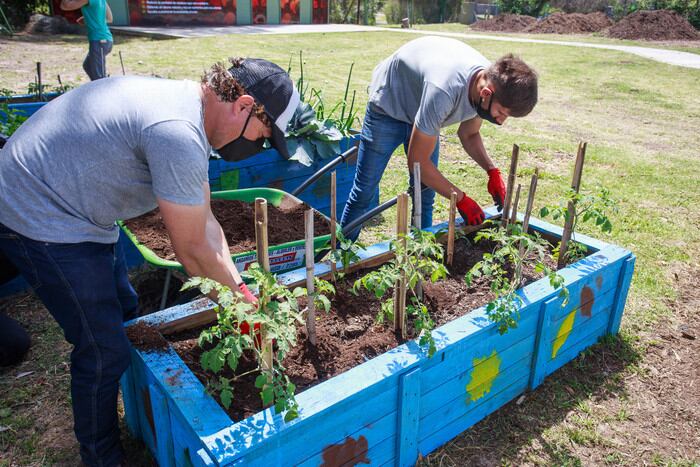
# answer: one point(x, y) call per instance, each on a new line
point(114, 149)
point(427, 84)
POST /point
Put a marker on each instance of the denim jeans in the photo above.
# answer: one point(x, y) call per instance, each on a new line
point(95, 63)
point(381, 135)
point(86, 289)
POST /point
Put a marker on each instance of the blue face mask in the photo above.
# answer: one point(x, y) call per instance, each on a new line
point(241, 147)
point(485, 114)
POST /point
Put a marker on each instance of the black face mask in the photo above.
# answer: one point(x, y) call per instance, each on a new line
point(241, 148)
point(486, 113)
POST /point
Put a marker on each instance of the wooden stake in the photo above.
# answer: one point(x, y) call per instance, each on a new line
point(334, 240)
point(121, 60)
point(530, 200)
point(511, 184)
point(514, 212)
point(38, 76)
point(264, 261)
point(400, 290)
point(417, 211)
point(451, 228)
point(569, 223)
point(311, 314)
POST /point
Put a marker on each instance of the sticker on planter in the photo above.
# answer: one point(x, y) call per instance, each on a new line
point(485, 371)
point(563, 332)
point(282, 259)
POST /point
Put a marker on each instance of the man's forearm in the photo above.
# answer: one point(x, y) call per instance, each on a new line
point(69, 5)
point(474, 146)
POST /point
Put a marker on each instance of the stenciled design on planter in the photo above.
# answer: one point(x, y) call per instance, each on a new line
point(587, 299)
point(563, 332)
point(485, 371)
point(350, 452)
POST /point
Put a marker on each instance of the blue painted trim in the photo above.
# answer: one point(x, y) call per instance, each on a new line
point(130, 405)
point(621, 296)
point(408, 417)
point(542, 341)
point(161, 419)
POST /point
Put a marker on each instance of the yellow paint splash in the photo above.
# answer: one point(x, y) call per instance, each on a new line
point(563, 332)
point(485, 371)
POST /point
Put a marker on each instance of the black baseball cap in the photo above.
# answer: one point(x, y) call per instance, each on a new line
point(272, 87)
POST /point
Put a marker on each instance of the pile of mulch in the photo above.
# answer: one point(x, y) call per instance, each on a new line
point(505, 23)
point(42, 24)
point(571, 23)
point(654, 25)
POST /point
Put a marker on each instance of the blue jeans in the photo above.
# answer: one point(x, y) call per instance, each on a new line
point(86, 289)
point(381, 135)
point(95, 63)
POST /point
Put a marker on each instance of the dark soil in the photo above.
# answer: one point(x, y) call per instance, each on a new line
point(237, 219)
point(505, 23)
point(654, 25)
point(149, 282)
point(571, 23)
point(145, 337)
point(349, 334)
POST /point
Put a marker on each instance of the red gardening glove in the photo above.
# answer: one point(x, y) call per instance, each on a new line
point(470, 211)
point(496, 188)
point(250, 298)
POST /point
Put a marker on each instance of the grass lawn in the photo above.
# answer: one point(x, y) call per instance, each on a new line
point(630, 401)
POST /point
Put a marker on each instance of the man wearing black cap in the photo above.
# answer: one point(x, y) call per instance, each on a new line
point(115, 149)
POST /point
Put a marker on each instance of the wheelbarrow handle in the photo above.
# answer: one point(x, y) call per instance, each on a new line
point(323, 170)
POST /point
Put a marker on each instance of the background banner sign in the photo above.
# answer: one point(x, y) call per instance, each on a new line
point(182, 12)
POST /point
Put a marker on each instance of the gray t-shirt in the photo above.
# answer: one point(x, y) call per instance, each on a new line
point(103, 152)
point(426, 82)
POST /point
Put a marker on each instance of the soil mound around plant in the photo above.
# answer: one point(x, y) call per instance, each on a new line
point(654, 25)
point(571, 23)
point(42, 24)
point(145, 337)
point(237, 220)
point(505, 23)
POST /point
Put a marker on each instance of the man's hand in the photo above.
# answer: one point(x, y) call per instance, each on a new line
point(470, 211)
point(496, 188)
point(247, 294)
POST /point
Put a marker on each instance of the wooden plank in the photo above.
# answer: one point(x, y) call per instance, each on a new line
point(512, 174)
point(130, 402)
point(161, 420)
point(573, 351)
point(569, 223)
point(408, 417)
point(514, 210)
point(530, 199)
point(572, 339)
point(451, 228)
point(261, 242)
point(311, 307)
point(333, 215)
point(621, 296)
point(542, 349)
point(400, 288)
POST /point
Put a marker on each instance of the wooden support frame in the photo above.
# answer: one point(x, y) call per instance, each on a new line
point(512, 174)
point(261, 241)
point(451, 228)
point(311, 307)
point(400, 289)
point(334, 240)
point(571, 208)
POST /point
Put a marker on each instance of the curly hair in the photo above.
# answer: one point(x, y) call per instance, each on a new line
point(515, 83)
point(228, 89)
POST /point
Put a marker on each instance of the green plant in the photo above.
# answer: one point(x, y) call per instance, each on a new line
point(10, 119)
point(346, 252)
point(593, 207)
point(420, 260)
point(277, 312)
point(504, 268)
point(523, 7)
point(322, 289)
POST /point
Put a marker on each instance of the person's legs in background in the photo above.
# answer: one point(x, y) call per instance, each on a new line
point(14, 340)
point(427, 194)
point(95, 63)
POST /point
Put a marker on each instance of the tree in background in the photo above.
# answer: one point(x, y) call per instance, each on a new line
point(18, 12)
point(345, 11)
point(422, 11)
point(523, 7)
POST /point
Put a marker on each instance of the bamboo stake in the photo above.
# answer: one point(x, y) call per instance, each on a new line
point(451, 228)
point(264, 261)
point(121, 60)
point(530, 199)
point(334, 240)
point(571, 209)
point(400, 290)
point(311, 314)
point(514, 212)
point(511, 183)
point(39, 86)
point(417, 211)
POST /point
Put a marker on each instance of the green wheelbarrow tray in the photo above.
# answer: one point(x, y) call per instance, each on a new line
point(283, 257)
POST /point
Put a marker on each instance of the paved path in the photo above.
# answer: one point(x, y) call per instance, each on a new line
point(672, 57)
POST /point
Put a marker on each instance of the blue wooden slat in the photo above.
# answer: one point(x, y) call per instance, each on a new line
point(602, 302)
point(143, 401)
point(621, 297)
point(130, 402)
point(384, 453)
point(408, 417)
point(543, 341)
point(579, 341)
point(161, 419)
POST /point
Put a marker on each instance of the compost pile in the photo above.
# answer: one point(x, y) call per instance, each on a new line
point(654, 25)
point(505, 23)
point(237, 220)
point(571, 23)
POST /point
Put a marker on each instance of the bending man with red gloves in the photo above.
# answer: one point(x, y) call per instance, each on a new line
point(428, 84)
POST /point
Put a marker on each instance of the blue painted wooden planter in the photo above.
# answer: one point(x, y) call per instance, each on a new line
point(19, 103)
point(396, 406)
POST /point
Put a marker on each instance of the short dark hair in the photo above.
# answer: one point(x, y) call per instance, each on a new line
point(228, 89)
point(515, 84)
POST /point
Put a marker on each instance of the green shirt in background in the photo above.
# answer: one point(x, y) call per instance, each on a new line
point(95, 14)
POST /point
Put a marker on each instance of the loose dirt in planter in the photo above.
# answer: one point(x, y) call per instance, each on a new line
point(145, 337)
point(237, 219)
point(571, 23)
point(654, 25)
point(349, 335)
point(504, 23)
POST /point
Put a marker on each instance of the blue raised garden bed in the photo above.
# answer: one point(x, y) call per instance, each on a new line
point(397, 406)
